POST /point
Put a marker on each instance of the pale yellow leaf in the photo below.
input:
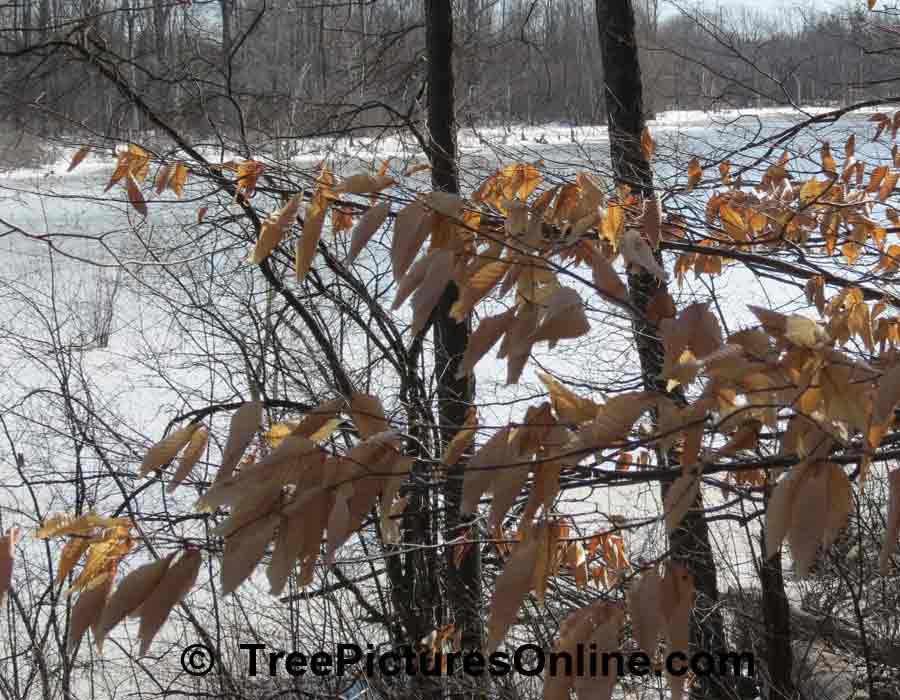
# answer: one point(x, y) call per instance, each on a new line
point(166, 449)
point(191, 455)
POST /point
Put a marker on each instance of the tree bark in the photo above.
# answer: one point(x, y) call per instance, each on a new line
point(625, 116)
point(777, 626)
point(455, 396)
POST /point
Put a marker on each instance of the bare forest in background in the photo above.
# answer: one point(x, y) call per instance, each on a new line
point(265, 71)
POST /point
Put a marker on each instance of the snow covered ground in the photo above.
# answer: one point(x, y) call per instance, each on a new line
point(50, 297)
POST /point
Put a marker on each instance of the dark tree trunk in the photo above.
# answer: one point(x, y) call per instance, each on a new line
point(777, 626)
point(625, 116)
point(463, 584)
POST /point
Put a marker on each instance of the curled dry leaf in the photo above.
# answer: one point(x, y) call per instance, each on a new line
point(245, 549)
point(244, 424)
point(178, 179)
point(363, 183)
point(63, 524)
point(176, 583)
point(677, 600)
point(577, 562)
point(462, 439)
point(648, 146)
point(293, 449)
point(368, 415)
point(645, 608)
point(568, 406)
point(892, 531)
point(192, 454)
point(484, 338)
point(680, 497)
point(563, 318)
point(274, 228)
point(517, 342)
point(797, 330)
point(132, 591)
point(605, 277)
point(135, 196)
point(414, 276)
point(651, 221)
point(428, 293)
point(810, 506)
point(513, 584)
point(70, 556)
point(370, 222)
point(78, 157)
point(166, 449)
point(506, 485)
point(7, 558)
point(611, 424)
point(162, 179)
point(88, 610)
point(410, 232)
point(886, 399)
point(320, 422)
point(446, 204)
point(636, 251)
point(605, 639)
point(482, 468)
point(312, 233)
point(779, 509)
point(695, 172)
point(299, 537)
point(577, 629)
point(478, 286)
point(390, 523)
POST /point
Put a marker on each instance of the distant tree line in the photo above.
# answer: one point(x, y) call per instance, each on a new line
point(276, 69)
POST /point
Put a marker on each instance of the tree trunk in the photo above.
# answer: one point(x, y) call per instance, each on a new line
point(625, 115)
point(463, 584)
point(777, 626)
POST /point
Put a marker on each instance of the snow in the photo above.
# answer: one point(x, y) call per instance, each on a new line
point(40, 292)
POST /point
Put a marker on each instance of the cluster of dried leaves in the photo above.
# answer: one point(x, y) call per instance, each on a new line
point(787, 380)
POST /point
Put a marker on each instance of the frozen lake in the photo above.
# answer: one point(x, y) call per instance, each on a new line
point(77, 264)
